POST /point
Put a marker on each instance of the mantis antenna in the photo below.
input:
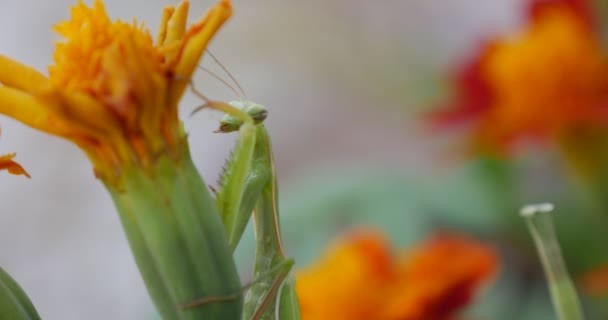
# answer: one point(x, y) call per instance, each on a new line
point(227, 72)
point(220, 106)
point(214, 104)
point(218, 78)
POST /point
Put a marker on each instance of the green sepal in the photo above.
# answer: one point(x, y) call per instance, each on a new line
point(177, 238)
point(14, 303)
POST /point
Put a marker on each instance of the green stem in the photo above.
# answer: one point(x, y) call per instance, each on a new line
point(563, 292)
point(178, 240)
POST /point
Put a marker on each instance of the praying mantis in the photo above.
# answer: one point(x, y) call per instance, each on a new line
point(249, 184)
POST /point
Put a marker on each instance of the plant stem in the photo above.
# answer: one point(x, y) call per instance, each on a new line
point(178, 240)
point(563, 293)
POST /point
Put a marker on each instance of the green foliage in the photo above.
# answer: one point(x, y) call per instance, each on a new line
point(14, 303)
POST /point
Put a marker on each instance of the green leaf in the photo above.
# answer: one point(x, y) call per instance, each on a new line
point(14, 303)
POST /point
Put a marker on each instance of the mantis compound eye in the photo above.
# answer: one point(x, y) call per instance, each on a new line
point(257, 112)
point(231, 123)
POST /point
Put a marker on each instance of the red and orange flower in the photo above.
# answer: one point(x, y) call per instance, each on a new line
point(542, 83)
point(359, 278)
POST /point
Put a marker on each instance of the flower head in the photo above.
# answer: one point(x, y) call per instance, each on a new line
point(359, 278)
point(544, 81)
point(112, 89)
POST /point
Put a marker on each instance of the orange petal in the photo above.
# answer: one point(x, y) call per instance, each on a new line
point(194, 44)
point(440, 277)
point(176, 24)
point(6, 163)
point(164, 22)
point(346, 282)
point(359, 279)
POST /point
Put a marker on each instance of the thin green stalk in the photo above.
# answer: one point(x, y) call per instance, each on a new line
point(563, 293)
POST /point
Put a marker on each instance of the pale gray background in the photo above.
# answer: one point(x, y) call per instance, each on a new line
point(329, 71)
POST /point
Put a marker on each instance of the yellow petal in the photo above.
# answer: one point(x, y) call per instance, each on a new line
point(176, 29)
point(19, 76)
point(194, 45)
point(27, 109)
point(89, 116)
point(177, 24)
point(162, 31)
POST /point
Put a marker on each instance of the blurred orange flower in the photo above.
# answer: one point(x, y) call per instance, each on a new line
point(545, 81)
point(359, 278)
point(595, 282)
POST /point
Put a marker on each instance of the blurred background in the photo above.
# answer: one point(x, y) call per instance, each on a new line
point(347, 84)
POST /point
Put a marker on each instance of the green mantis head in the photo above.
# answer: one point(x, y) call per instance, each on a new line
point(231, 123)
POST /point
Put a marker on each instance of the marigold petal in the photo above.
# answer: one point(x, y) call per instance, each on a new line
point(145, 86)
point(194, 45)
point(19, 76)
point(440, 277)
point(176, 26)
point(162, 30)
point(359, 279)
point(582, 8)
point(82, 112)
point(27, 109)
point(473, 92)
point(346, 282)
point(7, 163)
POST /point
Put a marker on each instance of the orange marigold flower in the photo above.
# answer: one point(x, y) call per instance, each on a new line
point(112, 89)
point(359, 278)
point(546, 80)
